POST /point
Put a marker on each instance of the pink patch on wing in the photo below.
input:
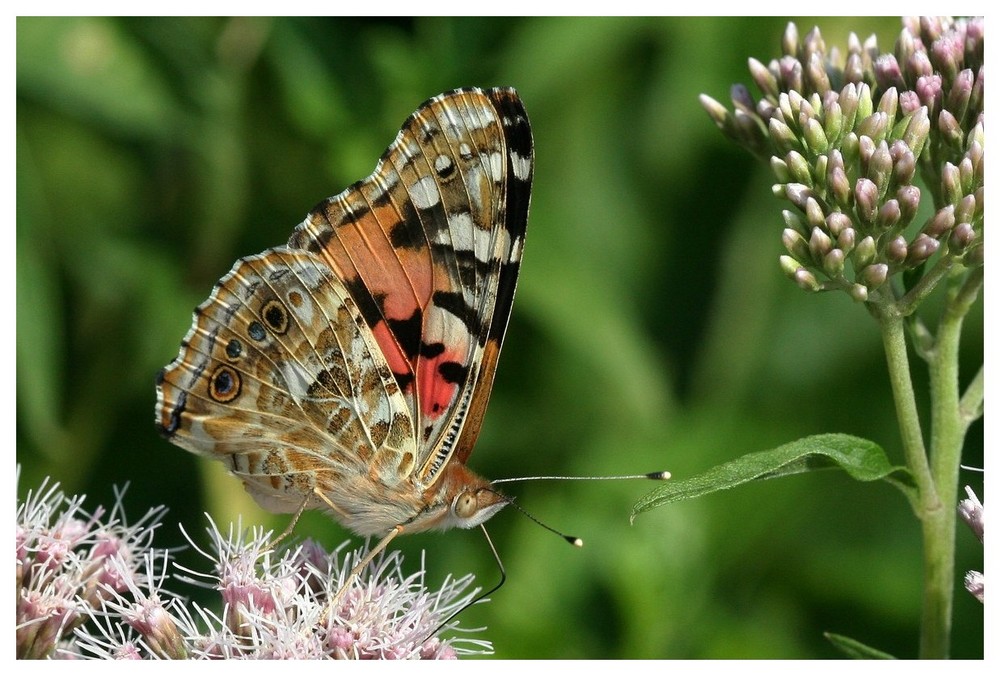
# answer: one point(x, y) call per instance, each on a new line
point(394, 356)
point(436, 393)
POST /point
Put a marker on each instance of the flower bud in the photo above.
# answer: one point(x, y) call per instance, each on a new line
point(917, 131)
point(858, 292)
point(814, 136)
point(790, 39)
point(790, 70)
point(896, 249)
point(845, 240)
point(929, 90)
point(715, 110)
point(919, 65)
point(840, 188)
point(865, 252)
point(880, 168)
point(946, 53)
point(795, 244)
point(819, 244)
point(816, 71)
point(921, 248)
point(961, 91)
point(908, 198)
point(951, 183)
point(848, 101)
point(888, 73)
point(966, 175)
point(976, 97)
point(806, 280)
point(904, 165)
point(888, 105)
point(865, 107)
point(950, 130)
point(965, 209)
point(962, 236)
point(798, 167)
point(874, 276)
point(833, 262)
point(796, 193)
point(866, 200)
point(780, 169)
point(789, 266)
point(763, 78)
point(909, 102)
point(793, 221)
point(888, 215)
point(782, 137)
point(850, 148)
point(740, 96)
point(974, 257)
point(940, 223)
point(814, 214)
point(833, 120)
point(837, 222)
point(875, 126)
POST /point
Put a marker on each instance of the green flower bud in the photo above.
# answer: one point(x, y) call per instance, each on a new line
point(865, 252)
point(819, 171)
point(966, 174)
point(866, 148)
point(819, 244)
point(814, 136)
point(789, 266)
point(813, 44)
point(782, 137)
point(764, 78)
point(780, 169)
point(790, 74)
point(979, 203)
point(962, 236)
point(921, 248)
point(833, 120)
point(850, 148)
point(833, 262)
point(888, 215)
point(976, 97)
point(888, 105)
point(854, 69)
point(965, 209)
point(866, 200)
point(858, 292)
point(796, 193)
point(951, 183)
point(793, 221)
point(977, 135)
point(874, 276)
point(799, 168)
point(814, 214)
point(917, 131)
point(795, 244)
point(840, 188)
point(848, 101)
point(896, 249)
point(864, 103)
point(975, 155)
point(940, 223)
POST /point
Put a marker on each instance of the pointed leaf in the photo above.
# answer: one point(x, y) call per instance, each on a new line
point(862, 459)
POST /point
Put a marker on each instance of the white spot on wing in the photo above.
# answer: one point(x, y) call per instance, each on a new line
point(425, 193)
point(522, 166)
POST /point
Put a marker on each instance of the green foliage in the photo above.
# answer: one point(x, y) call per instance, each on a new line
point(652, 328)
point(863, 460)
point(856, 649)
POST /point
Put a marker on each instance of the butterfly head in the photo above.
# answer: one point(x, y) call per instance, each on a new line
point(462, 500)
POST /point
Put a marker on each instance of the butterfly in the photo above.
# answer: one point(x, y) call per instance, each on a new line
point(350, 369)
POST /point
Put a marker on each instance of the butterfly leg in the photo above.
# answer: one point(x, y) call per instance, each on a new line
point(291, 526)
point(345, 585)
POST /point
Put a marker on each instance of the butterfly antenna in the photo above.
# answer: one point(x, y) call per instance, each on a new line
point(503, 578)
point(572, 539)
point(656, 476)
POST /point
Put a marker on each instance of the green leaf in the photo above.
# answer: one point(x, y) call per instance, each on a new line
point(862, 459)
point(856, 649)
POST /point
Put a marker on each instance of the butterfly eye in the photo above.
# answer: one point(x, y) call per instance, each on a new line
point(466, 505)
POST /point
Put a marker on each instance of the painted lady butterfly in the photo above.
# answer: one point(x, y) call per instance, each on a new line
point(350, 369)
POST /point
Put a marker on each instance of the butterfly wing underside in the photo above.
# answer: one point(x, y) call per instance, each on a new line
point(358, 359)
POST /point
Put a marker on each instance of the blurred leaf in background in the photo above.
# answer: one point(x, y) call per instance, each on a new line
point(653, 328)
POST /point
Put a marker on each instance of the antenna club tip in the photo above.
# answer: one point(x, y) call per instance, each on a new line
point(575, 541)
point(659, 476)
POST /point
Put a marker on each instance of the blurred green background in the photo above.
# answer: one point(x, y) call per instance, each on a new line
point(653, 328)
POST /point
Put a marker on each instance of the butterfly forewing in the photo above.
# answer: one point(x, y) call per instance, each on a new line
point(356, 361)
